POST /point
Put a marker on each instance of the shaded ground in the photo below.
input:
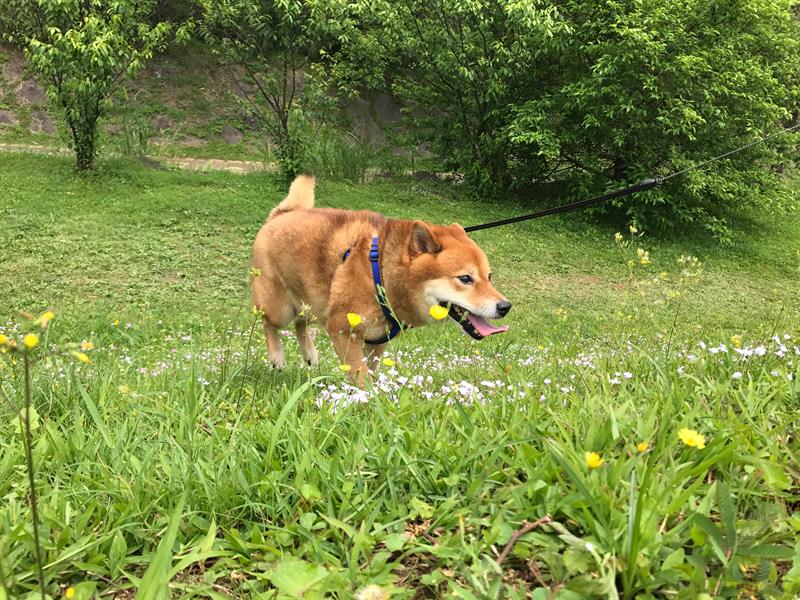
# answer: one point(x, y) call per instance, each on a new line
point(186, 163)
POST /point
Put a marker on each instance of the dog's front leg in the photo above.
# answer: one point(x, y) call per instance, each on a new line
point(349, 347)
point(374, 353)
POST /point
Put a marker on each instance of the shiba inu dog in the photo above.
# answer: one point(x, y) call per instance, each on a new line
point(365, 278)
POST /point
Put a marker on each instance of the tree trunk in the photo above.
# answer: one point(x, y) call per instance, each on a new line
point(83, 137)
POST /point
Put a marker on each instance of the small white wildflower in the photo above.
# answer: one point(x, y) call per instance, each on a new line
point(372, 592)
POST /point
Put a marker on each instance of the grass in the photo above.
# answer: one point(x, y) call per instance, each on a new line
point(176, 462)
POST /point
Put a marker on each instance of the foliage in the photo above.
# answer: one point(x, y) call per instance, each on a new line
point(176, 457)
point(277, 43)
point(83, 51)
point(593, 94)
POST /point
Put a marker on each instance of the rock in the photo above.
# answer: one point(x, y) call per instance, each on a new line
point(7, 118)
point(242, 88)
point(30, 92)
point(231, 135)
point(161, 122)
point(250, 121)
point(13, 67)
point(42, 123)
point(191, 141)
point(425, 176)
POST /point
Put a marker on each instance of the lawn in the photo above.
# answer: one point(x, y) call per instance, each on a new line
point(177, 462)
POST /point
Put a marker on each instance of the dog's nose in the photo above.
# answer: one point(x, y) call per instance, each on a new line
point(503, 308)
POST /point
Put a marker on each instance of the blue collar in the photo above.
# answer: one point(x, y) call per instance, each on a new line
point(395, 325)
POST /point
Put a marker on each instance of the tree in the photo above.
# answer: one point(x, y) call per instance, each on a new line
point(277, 43)
point(591, 95)
point(83, 50)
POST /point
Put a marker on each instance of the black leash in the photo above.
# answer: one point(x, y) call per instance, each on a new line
point(642, 186)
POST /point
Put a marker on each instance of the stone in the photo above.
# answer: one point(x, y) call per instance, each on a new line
point(14, 67)
point(191, 141)
point(250, 121)
point(231, 135)
point(42, 123)
point(30, 92)
point(242, 89)
point(161, 122)
point(7, 118)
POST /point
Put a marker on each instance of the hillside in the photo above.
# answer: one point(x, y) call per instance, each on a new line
point(186, 102)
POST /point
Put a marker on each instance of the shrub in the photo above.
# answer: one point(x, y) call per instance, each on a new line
point(591, 94)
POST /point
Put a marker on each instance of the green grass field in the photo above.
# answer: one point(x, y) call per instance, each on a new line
point(177, 463)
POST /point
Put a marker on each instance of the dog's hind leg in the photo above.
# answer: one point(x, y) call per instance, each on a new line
point(307, 348)
point(270, 299)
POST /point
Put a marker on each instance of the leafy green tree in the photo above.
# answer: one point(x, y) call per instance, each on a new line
point(84, 50)
point(591, 95)
point(278, 44)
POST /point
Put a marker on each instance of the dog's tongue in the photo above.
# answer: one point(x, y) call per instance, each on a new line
point(484, 327)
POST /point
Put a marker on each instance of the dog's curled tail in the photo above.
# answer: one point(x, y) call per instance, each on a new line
point(301, 195)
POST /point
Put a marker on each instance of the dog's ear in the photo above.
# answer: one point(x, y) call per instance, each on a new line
point(423, 240)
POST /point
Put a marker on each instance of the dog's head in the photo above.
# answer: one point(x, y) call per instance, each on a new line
point(448, 269)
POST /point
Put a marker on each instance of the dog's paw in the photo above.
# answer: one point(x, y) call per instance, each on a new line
point(278, 363)
point(312, 358)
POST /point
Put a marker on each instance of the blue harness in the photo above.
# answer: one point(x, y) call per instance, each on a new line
point(395, 326)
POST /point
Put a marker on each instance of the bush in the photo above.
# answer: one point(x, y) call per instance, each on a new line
point(593, 94)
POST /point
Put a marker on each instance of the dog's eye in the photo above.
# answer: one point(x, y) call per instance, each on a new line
point(465, 279)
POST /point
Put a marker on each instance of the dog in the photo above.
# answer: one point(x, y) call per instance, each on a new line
point(365, 278)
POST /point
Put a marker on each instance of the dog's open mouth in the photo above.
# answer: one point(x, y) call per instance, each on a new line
point(477, 327)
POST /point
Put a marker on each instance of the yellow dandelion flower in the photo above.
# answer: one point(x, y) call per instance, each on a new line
point(593, 460)
point(644, 256)
point(344, 368)
point(254, 272)
point(692, 438)
point(87, 345)
point(3, 339)
point(80, 356)
point(736, 340)
point(354, 319)
point(388, 362)
point(45, 318)
point(30, 341)
point(69, 594)
point(115, 323)
point(437, 312)
point(123, 389)
point(642, 447)
point(633, 230)
point(618, 237)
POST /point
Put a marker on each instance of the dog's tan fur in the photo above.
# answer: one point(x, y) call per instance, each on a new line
point(302, 277)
